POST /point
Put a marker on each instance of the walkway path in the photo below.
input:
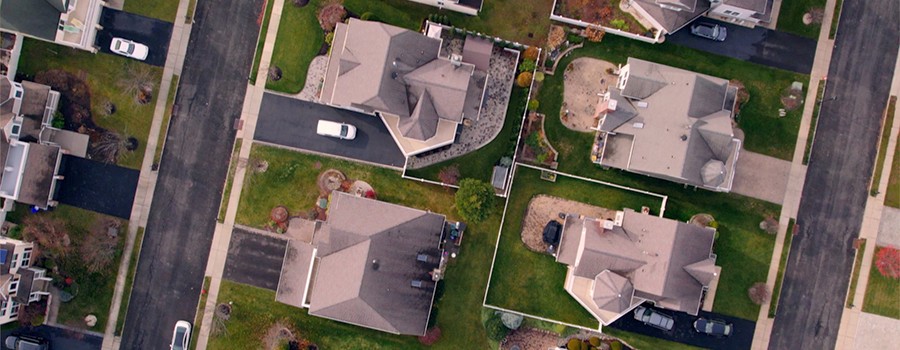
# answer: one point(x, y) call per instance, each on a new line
point(147, 180)
point(222, 237)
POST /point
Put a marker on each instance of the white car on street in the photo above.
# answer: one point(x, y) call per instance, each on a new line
point(129, 48)
point(342, 131)
point(181, 337)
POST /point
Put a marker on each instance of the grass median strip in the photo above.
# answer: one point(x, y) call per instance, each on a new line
point(229, 181)
point(198, 318)
point(886, 126)
point(811, 134)
point(854, 279)
point(782, 265)
point(129, 281)
point(263, 31)
point(167, 116)
point(836, 18)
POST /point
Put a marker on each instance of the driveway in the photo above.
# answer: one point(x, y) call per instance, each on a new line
point(192, 172)
point(683, 332)
point(761, 177)
point(877, 332)
point(148, 31)
point(758, 45)
point(60, 338)
point(99, 187)
point(254, 258)
point(292, 122)
point(837, 180)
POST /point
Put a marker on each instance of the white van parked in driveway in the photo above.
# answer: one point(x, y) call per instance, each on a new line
point(334, 129)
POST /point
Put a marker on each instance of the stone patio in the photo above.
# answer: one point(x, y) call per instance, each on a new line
point(543, 208)
point(585, 81)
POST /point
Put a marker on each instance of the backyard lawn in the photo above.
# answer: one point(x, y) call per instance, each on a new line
point(159, 9)
point(290, 180)
point(766, 133)
point(791, 17)
point(299, 40)
point(882, 293)
point(94, 289)
point(105, 75)
point(531, 282)
point(480, 163)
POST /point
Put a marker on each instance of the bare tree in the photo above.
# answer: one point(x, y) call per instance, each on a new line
point(98, 249)
point(108, 147)
point(139, 82)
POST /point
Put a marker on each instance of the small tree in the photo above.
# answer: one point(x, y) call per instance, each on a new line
point(330, 15)
point(533, 105)
point(887, 260)
point(474, 200)
point(494, 327)
point(538, 77)
point(524, 79)
point(50, 235)
point(527, 65)
point(531, 53)
point(759, 293)
point(449, 175)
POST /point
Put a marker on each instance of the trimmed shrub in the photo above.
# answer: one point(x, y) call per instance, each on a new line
point(539, 76)
point(594, 341)
point(887, 260)
point(524, 79)
point(527, 65)
point(329, 38)
point(494, 327)
point(531, 53)
point(330, 15)
point(575, 344)
point(533, 105)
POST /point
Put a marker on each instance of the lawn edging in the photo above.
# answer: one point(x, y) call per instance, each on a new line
point(814, 121)
point(854, 277)
point(887, 123)
point(782, 266)
point(129, 281)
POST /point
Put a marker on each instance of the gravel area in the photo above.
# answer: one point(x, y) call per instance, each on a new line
point(530, 339)
point(314, 77)
point(493, 112)
point(543, 208)
point(585, 80)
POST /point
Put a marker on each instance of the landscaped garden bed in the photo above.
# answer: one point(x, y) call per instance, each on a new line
point(605, 13)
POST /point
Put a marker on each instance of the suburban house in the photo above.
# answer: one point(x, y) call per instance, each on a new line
point(372, 264)
point(668, 16)
point(469, 7)
point(20, 283)
point(669, 123)
point(397, 75)
point(615, 265)
point(31, 150)
point(72, 23)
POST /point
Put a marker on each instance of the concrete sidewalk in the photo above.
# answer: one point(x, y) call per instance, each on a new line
point(791, 202)
point(222, 236)
point(147, 180)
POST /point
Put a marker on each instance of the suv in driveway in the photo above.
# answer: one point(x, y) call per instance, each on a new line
point(709, 30)
point(715, 328)
point(26, 342)
point(653, 318)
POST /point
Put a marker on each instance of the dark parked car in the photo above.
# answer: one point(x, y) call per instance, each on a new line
point(709, 30)
point(716, 328)
point(26, 342)
point(654, 318)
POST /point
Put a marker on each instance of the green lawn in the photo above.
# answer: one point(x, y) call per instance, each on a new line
point(95, 289)
point(129, 281)
point(198, 318)
point(480, 164)
point(782, 265)
point(813, 122)
point(530, 282)
point(766, 133)
point(263, 31)
point(791, 17)
point(232, 167)
point(189, 15)
point(643, 342)
point(854, 279)
point(299, 40)
point(892, 196)
point(159, 9)
point(291, 180)
point(837, 16)
point(882, 294)
point(103, 74)
point(888, 122)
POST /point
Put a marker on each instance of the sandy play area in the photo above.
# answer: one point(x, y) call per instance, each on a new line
point(585, 80)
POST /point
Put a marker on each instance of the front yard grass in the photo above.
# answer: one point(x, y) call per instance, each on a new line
point(791, 17)
point(291, 181)
point(299, 40)
point(159, 9)
point(103, 74)
point(530, 282)
point(479, 164)
point(882, 294)
point(782, 265)
point(95, 289)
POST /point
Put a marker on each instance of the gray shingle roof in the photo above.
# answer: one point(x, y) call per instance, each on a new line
point(38, 18)
point(35, 100)
point(422, 123)
point(38, 175)
point(612, 292)
point(477, 51)
point(367, 261)
point(26, 280)
point(760, 6)
point(672, 20)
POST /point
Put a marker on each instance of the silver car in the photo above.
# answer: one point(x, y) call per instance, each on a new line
point(654, 318)
point(181, 337)
point(710, 31)
point(129, 48)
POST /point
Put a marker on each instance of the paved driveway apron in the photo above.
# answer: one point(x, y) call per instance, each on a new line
point(291, 122)
point(59, 338)
point(837, 180)
point(683, 332)
point(254, 259)
point(148, 31)
point(192, 173)
point(96, 186)
point(758, 45)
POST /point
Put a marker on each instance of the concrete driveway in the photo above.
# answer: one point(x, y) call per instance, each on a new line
point(254, 258)
point(761, 177)
point(758, 45)
point(683, 332)
point(148, 31)
point(291, 122)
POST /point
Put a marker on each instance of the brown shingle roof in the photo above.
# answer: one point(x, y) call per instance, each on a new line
point(37, 179)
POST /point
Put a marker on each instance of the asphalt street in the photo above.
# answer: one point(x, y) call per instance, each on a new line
point(683, 332)
point(192, 172)
point(837, 182)
point(291, 122)
point(99, 187)
point(254, 259)
point(148, 31)
point(758, 45)
point(59, 338)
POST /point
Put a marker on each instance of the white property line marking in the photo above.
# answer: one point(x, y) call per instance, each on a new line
point(599, 325)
